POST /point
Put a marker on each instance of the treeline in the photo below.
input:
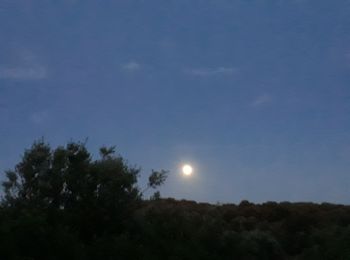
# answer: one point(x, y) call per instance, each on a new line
point(63, 204)
point(246, 231)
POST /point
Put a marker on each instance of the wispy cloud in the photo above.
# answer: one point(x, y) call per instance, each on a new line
point(261, 100)
point(347, 54)
point(39, 117)
point(205, 72)
point(131, 66)
point(24, 73)
point(27, 67)
point(71, 1)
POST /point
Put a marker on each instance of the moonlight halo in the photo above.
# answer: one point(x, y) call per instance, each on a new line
point(187, 170)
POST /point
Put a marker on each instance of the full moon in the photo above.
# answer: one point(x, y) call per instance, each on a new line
point(187, 170)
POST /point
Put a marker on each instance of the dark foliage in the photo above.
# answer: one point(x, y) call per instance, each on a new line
point(62, 204)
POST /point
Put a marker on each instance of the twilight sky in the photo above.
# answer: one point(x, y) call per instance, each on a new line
point(255, 94)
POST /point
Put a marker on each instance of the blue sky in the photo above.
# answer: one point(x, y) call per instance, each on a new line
point(254, 94)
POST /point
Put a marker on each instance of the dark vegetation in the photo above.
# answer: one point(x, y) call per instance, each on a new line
point(61, 204)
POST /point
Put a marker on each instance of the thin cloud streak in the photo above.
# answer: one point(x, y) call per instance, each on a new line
point(205, 72)
point(131, 66)
point(39, 117)
point(23, 73)
point(261, 100)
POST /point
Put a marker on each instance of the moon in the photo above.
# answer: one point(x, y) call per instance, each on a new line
point(187, 170)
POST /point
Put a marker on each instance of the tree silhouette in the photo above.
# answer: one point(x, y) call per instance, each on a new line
point(96, 196)
point(63, 204)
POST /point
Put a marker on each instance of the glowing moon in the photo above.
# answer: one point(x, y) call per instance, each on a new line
point(187, 170)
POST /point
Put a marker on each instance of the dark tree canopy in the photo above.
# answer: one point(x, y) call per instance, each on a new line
point(67, 177)
point(63, 204)
point(65, 186)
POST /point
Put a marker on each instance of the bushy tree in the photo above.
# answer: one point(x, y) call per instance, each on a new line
point(67, 177)
point(64, 204)
point(69, 190)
